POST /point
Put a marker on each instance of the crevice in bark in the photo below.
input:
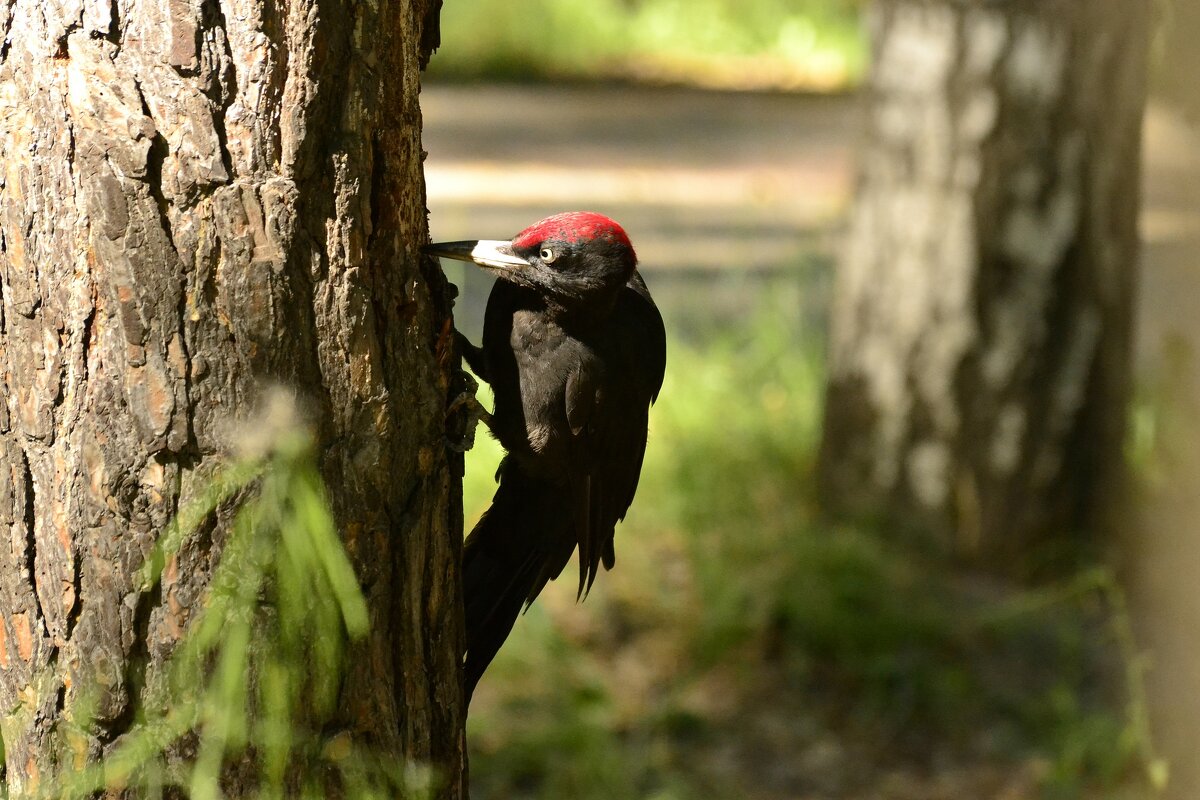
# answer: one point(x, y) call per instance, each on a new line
point(375, 203)
point(38, 622)
point(60, 696)
point(61, 54)
point(374, 206)
point(190, 445)
point(6, 43)
point(157, 156)
point(77, 586)
point(208, 289)
point(136, 664)
point(3, 251)
point(87, 335)
point(274, 28)
point(70, 150)
point(222, 89)
point(114, 25)
point(30, 519)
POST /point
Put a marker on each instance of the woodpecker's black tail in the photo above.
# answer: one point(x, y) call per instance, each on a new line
point(523, 540)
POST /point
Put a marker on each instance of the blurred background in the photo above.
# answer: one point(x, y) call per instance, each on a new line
point(919, 511)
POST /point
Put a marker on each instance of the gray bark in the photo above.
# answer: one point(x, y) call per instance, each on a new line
point(980, 354)
point(1180, 58)
point(200, 198)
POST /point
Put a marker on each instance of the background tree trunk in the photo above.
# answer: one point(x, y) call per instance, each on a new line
point(980, 359)
point(1180, 58)
point(200, 198)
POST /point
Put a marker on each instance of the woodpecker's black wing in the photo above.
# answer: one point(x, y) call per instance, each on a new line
point(650, 340)
point(608, 404)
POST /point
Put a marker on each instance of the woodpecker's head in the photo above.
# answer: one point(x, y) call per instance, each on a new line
point(576, 256)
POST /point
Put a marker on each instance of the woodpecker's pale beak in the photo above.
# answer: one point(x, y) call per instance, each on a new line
point(487, 253)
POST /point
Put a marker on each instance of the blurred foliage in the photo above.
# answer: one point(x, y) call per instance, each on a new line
point(742, 642)
point(256, 679)
point(796, 44)
point(815, 45)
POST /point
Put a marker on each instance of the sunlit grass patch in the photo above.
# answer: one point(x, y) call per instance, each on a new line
point(815, 45)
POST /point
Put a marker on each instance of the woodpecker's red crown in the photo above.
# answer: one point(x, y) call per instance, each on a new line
point(573, 227)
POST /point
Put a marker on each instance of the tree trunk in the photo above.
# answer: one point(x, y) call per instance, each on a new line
point(1180, 58)
point(980, 355)
point(200, 198)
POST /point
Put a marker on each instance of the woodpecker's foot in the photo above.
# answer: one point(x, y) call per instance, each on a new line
point(467, 405)
point(472, 355)
point(468, 401)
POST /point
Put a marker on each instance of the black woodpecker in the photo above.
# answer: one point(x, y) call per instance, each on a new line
point(574, 349)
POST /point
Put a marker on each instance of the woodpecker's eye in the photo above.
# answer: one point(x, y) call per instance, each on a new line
point(548, 255)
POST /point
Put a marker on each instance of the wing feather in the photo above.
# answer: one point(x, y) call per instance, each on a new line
point(608, 411)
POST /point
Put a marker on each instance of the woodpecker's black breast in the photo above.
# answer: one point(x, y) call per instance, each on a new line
point(572, 401)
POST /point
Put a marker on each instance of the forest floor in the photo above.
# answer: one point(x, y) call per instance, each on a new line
point(734, 201)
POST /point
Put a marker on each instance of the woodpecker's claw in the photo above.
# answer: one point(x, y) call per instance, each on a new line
point(467, 404)
point(474, 408)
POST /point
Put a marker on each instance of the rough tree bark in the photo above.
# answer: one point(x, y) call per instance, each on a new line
point(980, 354)
point(199, 198)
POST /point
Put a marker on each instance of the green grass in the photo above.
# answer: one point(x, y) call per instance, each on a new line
point(733, 605)
point(812, 44)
